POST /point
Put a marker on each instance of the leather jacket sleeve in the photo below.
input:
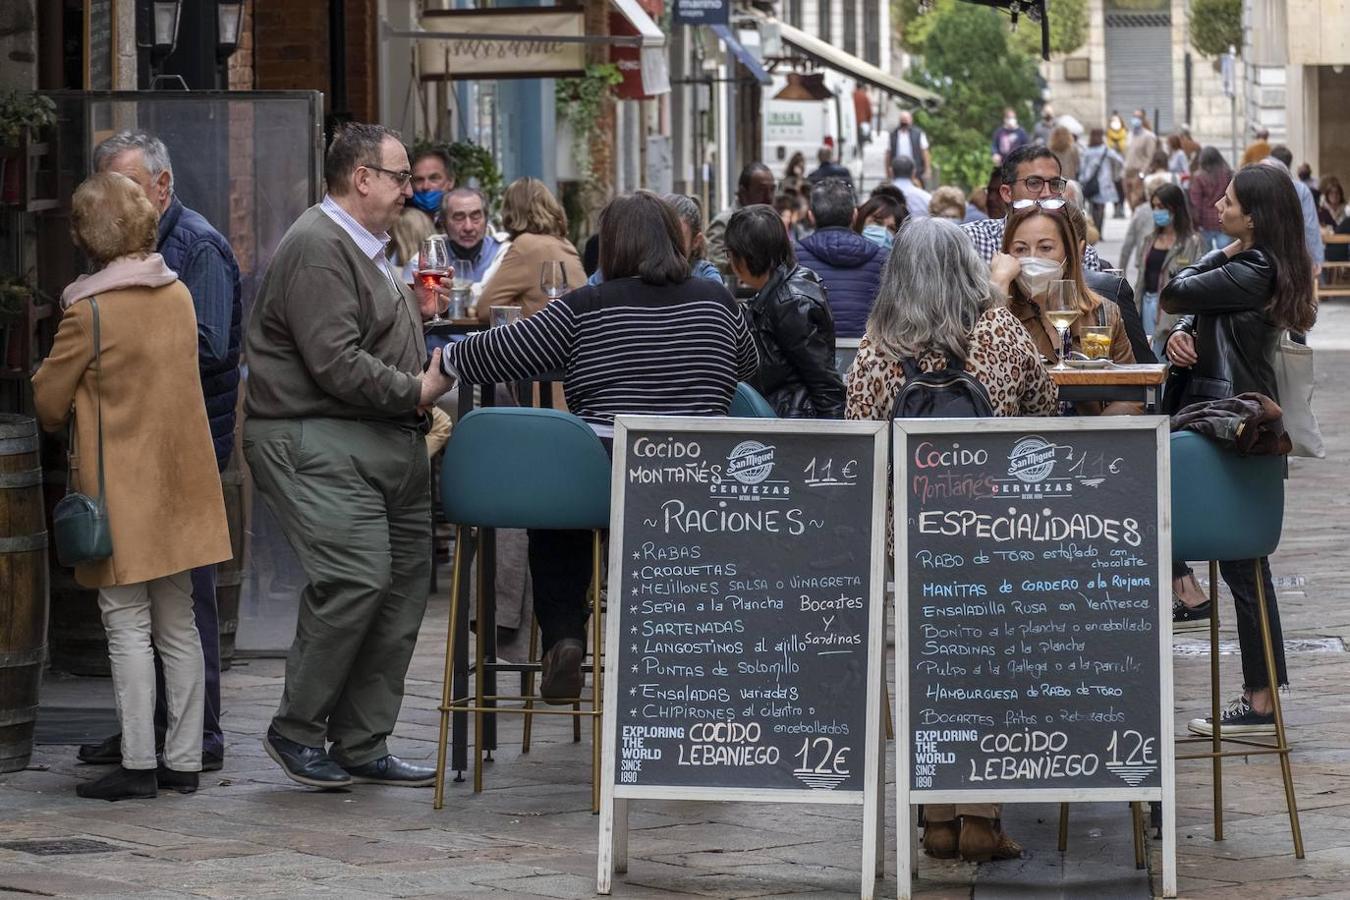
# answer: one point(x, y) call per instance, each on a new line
point(804, 329)
point(1218, 284)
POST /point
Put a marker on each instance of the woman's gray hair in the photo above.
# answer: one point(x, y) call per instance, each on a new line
point(153, 152)
point(934, 288)
point(687, 210)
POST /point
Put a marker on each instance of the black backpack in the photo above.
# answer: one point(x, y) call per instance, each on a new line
point(948, 393)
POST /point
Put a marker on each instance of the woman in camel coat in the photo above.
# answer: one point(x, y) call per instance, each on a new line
point(164, 502)
point(537, 225)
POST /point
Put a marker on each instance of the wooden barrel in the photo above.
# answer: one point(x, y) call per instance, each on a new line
point(23, 588)
point(229, 574)
point(76, 641)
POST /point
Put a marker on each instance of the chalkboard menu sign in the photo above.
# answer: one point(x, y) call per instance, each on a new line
point(744, 650)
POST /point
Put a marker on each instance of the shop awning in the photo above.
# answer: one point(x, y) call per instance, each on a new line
point(743, 56)
point(848, 64)
point(652, 52)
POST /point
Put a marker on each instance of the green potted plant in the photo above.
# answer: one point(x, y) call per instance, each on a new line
point(15, 297)
point(21, 113)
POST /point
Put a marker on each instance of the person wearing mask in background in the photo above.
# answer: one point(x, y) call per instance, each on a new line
point(1178, 163)
point(916, 198)
point(1100, 167)
point(1234, 305)
point(1007, 137)
point(848, 265)
point(205, 264)
point(537, 227)
point(755, 186)
point(1281, 158)
point(1208, 184)
point(909, 140)
point(1143, 144)
point(1117, 137)
point(948, 203)
point(1113, 288)
point(1257, 150)
point(828, 168)
point(1061, 142)
point(1029, 173)
point(431, 179)
point(1140, 228)
point(1040, 134)
point(788, 317)
point(1174, 245)
point(879, 219)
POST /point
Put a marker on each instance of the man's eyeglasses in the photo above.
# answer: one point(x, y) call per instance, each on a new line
point(401, 177)
point(1036, 183)
point(1050, 203)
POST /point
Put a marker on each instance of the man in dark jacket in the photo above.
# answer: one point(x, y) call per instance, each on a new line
point(849, 265)
point(205, 264)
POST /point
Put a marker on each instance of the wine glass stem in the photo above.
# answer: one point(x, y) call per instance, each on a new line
point(1064, 348)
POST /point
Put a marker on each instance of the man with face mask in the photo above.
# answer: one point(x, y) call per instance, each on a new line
point(1046, 124)
point(1008, 137)
point(431, 180)
point(1029, 173)
point(1143, 143)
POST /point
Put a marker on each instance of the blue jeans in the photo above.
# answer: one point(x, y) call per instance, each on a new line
point(1148, 313)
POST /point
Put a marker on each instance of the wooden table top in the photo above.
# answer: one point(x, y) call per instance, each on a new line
point(1142, 374)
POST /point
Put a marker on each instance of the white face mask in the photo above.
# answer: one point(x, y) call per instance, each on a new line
point(1037, 273)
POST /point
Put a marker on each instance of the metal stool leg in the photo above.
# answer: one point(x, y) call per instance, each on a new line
point(447, 685)
point(1280, 737)
point(479, 658)
point(1063, 827)
point(1137, 827)
point(886, 709)
point(597, 690)
point(527, 679)
point(1217, 741)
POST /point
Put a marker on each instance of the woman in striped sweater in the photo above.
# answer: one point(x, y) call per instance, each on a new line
point(650, 340)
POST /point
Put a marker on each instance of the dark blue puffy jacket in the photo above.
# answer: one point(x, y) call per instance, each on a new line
point(849, 265)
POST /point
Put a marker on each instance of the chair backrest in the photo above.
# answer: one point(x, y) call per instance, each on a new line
point(514, 467)
point(1224, 506)
point(748, 403)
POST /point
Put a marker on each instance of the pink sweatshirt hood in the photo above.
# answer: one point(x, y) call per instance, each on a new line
point(124, 272)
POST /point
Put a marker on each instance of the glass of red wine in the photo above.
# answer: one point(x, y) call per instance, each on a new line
point(433, 264)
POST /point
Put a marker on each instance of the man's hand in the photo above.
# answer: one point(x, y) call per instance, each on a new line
point(1233, 249)
point(434, 382)
point(1181, 349)
point(435, 300)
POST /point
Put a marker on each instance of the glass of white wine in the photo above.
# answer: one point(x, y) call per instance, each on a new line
point(1061, 308)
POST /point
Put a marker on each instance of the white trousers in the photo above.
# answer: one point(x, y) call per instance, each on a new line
point(133, 615)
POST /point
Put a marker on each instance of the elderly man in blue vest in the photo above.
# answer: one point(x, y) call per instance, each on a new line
point(205, 264)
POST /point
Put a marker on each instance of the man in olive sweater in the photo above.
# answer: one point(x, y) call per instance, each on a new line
point(333, 437)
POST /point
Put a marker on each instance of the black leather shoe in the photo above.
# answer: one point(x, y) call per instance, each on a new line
point(120, 784)
point(212, 762)
point(310, 766)
point(173, 780)
point(106, 752)
point(393, 771)
point(562, 680)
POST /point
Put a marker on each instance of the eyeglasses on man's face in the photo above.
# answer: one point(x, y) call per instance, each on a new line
point(401, 177)
point(1036, 183)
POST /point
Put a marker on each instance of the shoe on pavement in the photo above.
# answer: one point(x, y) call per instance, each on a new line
point(105, 752)
point(984, 839)
point(310, 766)
point(392, 771)
point(1238, 719)
point(939, 839)
point(562, 679)
point(120, 784)
point(173, 780)
point(1190, 618)
point(212, 762)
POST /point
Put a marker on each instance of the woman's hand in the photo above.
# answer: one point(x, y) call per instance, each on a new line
point(1233, 249)
point(1181, 349)
point(1003, 270)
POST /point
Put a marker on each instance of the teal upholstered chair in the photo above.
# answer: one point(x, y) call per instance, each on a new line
point(1230, 507)
point(748, 403)
point(551, 472)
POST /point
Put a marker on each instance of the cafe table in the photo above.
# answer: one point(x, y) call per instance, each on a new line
point(1132, 383)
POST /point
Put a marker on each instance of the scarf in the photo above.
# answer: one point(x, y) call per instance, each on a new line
point(123, 272)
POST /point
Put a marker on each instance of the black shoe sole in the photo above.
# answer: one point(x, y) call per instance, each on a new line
point(300, 779)
point(117, 798)
point(420, 783)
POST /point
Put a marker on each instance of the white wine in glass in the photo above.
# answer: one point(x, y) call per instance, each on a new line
point(553, 279)
point(1061, 308)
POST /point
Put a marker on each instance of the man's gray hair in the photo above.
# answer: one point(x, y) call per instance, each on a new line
point(153, 152)
point(933, 290)
point(467, 190)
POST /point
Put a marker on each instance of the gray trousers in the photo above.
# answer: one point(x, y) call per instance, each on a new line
point(354, 500)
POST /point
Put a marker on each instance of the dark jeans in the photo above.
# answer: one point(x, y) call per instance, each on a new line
point(1241, 581)
point(208, 626)
point(560, 570)
point(1099, 217)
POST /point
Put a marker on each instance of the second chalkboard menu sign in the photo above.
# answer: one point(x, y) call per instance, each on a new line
point(1033, 635)
point(744, 635)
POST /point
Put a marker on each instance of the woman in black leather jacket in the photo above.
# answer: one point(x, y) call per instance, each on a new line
point(1235, 303)
point(789, 318)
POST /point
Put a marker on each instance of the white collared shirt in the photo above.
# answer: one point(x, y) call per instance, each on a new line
point(374, 246)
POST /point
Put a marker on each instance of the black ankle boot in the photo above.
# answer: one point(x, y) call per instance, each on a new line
point(120, 784)
point(173, 780)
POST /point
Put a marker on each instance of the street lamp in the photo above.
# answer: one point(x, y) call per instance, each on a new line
point(229, 19)
point(166, 16)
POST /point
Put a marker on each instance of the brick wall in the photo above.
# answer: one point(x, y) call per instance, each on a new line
point(240, 66)
point(362, 60)
point(290, 46)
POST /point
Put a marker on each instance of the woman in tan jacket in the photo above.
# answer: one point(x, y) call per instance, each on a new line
point(537, 226)
point(163, 496)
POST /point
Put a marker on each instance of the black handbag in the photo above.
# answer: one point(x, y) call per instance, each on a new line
point(80, 530)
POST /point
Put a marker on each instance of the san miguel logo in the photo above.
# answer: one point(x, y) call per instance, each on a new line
point(750, 462)
point(1032, 459)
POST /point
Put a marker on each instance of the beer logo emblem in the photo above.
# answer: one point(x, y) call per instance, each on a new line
point(1032, 460)
point(750, 462)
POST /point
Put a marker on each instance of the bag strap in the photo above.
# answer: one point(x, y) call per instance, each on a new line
point(98, 393)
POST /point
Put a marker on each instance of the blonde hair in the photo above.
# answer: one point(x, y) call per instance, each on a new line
point(528, 207)
point(412, 228)
point(948, 199)
point(111, 217)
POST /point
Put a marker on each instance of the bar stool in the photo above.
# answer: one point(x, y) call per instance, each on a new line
point(1230, 507)
point(555, 475)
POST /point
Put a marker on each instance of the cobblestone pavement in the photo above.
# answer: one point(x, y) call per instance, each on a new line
point(251, 833)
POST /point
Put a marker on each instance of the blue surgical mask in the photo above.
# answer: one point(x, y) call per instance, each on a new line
point(428, 202)
point(1162, 217)
point(879, 235)
point(1136, 122)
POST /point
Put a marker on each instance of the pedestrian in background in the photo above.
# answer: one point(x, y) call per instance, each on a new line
point(1061, 143)
point(916, 198)
point(828, 167)
point(1178, 163)
point(948, 203)
point(1045, 126)
point(755, 186)
point(1257, 150)
point(1281, 158)
point(879, 219)
point(1143, 144)
point(1100, 167)
point(1008, 137)
point(1117, 137)
point(126, 359)
point(848, 265)
point(1208, 184)
point(910, 140)
point(1173, 246)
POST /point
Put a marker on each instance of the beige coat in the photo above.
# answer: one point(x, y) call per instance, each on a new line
point(516, 281)
point(164, 499)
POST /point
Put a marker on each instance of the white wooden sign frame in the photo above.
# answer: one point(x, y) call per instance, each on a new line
point(905, 798)
point(613, 830)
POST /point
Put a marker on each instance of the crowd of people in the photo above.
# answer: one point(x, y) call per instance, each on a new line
point(660, 316)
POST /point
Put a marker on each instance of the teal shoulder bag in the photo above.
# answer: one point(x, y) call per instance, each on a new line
point(80, 529)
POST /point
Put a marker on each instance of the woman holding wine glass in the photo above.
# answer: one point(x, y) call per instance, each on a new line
point(1047, 293)
point(540, 265)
